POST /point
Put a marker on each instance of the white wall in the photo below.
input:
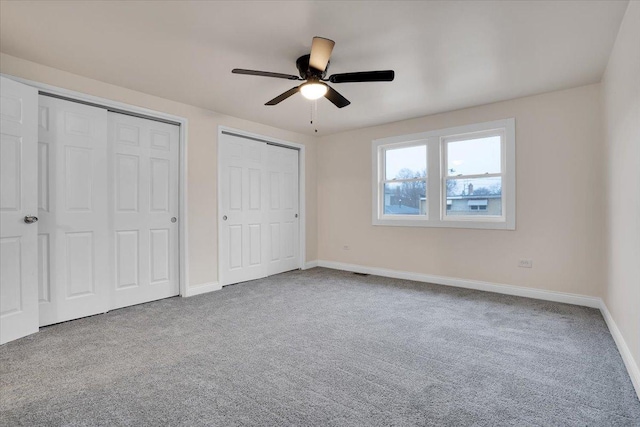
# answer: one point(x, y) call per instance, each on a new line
point(202, 160)
point(621, 95)
point(559, 200)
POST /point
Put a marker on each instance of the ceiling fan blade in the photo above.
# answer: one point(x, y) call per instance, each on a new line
point(337, 99)
point(265, 74)
point(278, 99)
point(363, 76)
point(321, 49)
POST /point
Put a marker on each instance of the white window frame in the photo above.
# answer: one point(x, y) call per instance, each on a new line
point(436, 203)
point(383, 180)
point(501, 132)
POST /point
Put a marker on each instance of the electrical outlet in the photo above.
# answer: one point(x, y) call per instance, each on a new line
point(525, 263)
point(346, 248)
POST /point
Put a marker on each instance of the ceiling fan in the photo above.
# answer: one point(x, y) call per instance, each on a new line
point(313, 68)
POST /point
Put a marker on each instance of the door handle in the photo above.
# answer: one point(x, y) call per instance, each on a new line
point(173, 219)
point(224, 218)
point(30, 219)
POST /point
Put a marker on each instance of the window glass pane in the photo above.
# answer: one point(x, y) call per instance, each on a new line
point(405, 163)
point(405, 198)
point(474, 156)
point(476, 197)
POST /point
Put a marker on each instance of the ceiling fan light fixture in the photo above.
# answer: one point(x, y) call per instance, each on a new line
point(313, 68)
point(313, 90)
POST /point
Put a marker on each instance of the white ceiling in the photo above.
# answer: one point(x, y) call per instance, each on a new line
point(446, 55)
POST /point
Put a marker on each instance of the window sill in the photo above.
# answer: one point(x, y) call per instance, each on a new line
point(457, 223)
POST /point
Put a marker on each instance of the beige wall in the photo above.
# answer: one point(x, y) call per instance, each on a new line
point(578, 216)
point(559, 200)
point(621, 94)
point(202, 161)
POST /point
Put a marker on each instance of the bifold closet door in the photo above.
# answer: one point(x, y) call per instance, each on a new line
point(282, 209)
point(144, 205)
point(18, 210)
point(73, 235)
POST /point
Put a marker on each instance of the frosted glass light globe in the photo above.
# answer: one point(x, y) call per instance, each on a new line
point(313, 90)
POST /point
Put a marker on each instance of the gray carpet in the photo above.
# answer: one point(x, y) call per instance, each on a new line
point(322, 347)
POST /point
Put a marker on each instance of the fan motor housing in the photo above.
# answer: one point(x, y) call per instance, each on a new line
point(307, 72)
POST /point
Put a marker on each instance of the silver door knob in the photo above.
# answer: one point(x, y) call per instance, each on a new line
point(224, 218)
point(174, 219)
point(296, 215)
point(30, 219)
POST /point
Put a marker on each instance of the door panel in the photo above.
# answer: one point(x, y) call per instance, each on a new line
point(80, 278)
point(159, 179)
point(144, 163)
point(18, 198)
point(243, 234)
point(74, 239)
point(127, 171)
point(235, 247)
point(255, 244)
point(127, 258)
point(43, 177)
point(11, 174)
point(283, 218)
point(78, 178)
point(159, 270)
point(44, 268)
point(11, 249)
point(275, 241)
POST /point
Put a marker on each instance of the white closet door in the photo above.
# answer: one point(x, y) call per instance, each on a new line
point(282, 209)
point(144, 203)
point(18, 199)
point(242, 222)
point(73, 239)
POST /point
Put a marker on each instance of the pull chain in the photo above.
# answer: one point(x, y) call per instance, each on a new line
point(314, 112)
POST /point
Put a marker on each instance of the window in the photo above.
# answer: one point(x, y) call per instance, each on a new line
point(404, 186)
point(475, 205)
point(458, 177)
point(473, 179)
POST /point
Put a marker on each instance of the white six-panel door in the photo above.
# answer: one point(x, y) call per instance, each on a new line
point(243, 230)
point(108, 191)
point(18, 199)
point(282, 209)
point(144, 202)
point(259, 222)
point(73, 236)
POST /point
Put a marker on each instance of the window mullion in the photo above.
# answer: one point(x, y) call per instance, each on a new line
point(434, 178)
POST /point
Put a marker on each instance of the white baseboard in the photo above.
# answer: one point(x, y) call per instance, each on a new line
point(520, 291)
point(310, 264)
point(575, 299)
point(627, 357)
point(202, 289)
